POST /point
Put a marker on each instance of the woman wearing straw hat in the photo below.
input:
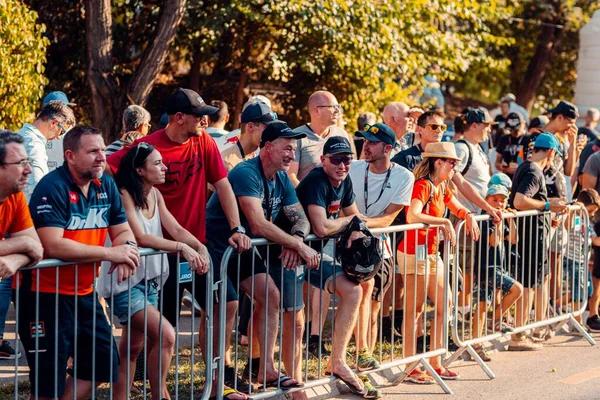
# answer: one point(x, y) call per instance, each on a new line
point(418, 259)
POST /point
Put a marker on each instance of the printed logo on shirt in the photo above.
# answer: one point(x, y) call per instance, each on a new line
point(37, 330)
point(95, 218)
point(179, 172)
point(333, 209)
point(102, 196)
point(73, 197)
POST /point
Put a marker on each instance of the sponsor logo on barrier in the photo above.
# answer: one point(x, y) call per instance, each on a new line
point(185, 275)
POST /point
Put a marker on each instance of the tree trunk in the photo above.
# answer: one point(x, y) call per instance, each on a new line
point(104, 87)
point(156, 53)
point(547, 41)
point(194, 76)
point(108, 98)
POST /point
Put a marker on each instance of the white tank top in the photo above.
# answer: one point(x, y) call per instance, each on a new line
point(150, 267)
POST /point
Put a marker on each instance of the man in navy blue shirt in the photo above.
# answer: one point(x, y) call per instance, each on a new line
point(268, 202)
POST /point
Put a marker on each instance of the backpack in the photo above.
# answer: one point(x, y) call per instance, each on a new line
point(469, 159)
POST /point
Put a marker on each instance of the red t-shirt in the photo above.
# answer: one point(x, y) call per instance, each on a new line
point(436, 207)
point(191, 165)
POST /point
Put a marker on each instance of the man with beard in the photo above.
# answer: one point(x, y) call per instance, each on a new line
point(74, 208)
point(21, 245)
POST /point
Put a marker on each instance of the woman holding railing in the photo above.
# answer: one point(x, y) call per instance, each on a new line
point(140, 170)
point(418, 256)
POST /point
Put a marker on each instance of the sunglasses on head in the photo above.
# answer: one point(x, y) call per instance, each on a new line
point(337, 160)
point(142, 145)
point(272, 116)
point(435, 127)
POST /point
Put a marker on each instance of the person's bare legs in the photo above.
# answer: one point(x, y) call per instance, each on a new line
point(524, 306)
point(375, 307)
point(292, 329)
point(363, 325)
point(595, 299)
point(414, 292)
point(435, 292)
point(84, 390)
point(319, 309)
point(266, 295)
point(541, 299)
point(510, 298)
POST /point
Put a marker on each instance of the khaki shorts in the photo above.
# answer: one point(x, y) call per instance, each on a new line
point(434, 264)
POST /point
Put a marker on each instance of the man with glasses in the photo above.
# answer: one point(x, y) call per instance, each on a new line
point(21, 246)
point(325, 193)
point(53, 121)
point(136, 124)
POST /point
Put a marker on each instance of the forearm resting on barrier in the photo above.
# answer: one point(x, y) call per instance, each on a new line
point(11, 263)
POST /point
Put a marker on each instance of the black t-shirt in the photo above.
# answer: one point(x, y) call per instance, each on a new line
point(493, 255)
point(316, 189)
point(530, 181)
point(592, 134)
point(409, 158)
point(555, 176)
point(510, 147)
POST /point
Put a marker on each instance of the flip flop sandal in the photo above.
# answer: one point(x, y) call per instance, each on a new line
point(226, 393)
point(278, 383)
point(365, 393)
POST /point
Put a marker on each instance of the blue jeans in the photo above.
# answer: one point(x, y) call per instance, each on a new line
point(5, 299)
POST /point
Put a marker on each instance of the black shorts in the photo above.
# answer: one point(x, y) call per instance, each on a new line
point(532, 266)
point(383, 279)
point(200, 281)
point(55, 337)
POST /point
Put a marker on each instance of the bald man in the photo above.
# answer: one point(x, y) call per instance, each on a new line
point(396, 115)
point(325, 114)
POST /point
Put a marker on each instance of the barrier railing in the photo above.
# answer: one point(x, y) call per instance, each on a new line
point(83, 332)
point(278, 303)
point(526, 269)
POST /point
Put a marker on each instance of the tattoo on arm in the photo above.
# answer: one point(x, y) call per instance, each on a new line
point(295, 214)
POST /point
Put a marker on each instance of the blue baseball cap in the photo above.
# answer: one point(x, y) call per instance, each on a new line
point(547, 140)
point(57, 96)
point(500, 178)
point(379, 133)
point(497, 189)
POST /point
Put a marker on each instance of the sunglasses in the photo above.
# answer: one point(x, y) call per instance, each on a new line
point(141, 145)
point(337, 160)
point(436, 127)
point(452, 162)
point(62, 128)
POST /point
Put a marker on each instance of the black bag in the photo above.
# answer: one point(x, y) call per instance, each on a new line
point(363, 259)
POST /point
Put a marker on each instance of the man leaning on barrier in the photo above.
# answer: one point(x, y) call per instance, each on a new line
point(73, 208)
point(265, 193)
point(325, 193)
point(529, 192)
point(21, 245)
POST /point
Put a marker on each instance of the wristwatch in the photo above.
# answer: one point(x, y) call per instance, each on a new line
point(130, 243)
point(238, 229)
point(300, 234)
point(547, 206)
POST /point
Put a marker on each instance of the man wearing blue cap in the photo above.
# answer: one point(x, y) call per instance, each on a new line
point(57, 96)
point(529, 192)
point(382, 189)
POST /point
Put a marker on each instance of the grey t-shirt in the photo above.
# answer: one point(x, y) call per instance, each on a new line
point(478, 174)
point(310, 148)
point(592, 167)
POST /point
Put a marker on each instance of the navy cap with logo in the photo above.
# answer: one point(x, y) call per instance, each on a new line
point(187, 101)
point(337, 145)
point(565, 108)
point(380, 133)
point(514, 121)
point(478, 116)
point(259, 112)
point(279, 129)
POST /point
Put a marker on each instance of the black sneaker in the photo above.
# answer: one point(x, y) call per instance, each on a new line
point(313, 348)
point(7, 352)
point(593, 323)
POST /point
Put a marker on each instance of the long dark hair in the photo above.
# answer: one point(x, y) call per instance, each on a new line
point(127, 177)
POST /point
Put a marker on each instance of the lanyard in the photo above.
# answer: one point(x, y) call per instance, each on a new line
point(241, 149)
point(267, 192)
point(366, 187)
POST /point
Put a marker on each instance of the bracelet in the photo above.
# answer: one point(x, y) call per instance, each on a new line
point(179, 246)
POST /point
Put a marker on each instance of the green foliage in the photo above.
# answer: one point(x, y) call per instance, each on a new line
point(22, 58)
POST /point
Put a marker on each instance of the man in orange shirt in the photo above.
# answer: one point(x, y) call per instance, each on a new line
point(21, 245)
point(74, 208)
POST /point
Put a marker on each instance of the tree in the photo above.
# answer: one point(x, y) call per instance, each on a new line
point(22, 58)
point(109, 96)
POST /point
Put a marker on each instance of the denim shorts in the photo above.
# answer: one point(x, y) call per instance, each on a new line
point(138, 303)
point(493, 278)
point(326, 273)
point(576, 280)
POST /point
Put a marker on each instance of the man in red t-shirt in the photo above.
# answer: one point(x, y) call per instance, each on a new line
point(21, 245)
point(193, 160)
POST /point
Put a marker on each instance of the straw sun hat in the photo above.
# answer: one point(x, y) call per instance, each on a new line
point(441, 150)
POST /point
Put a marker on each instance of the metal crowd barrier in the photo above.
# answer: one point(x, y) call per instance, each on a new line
point(77, 353)
point(313, 373)
point(554, 302)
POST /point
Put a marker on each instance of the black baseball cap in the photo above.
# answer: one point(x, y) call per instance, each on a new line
point(337, 145)
point(259, 112)
point(380, 133)
point(276, 130)
point(478, 116)
point(539, 122)
point(514, 121)
point(187, 101)
point(565, 108)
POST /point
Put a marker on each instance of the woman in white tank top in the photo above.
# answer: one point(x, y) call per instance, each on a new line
point(139, 171)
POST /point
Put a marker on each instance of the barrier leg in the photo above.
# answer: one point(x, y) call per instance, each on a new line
point(481, 363)
point(405, 373)
point(454, 356)
point(582, 330)
point(435, 376)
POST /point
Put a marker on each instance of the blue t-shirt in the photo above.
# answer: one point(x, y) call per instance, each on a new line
point(409, 158)
point(247, 179)
point(316, 189)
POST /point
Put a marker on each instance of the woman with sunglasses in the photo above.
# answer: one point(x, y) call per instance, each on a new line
point(418, 257)
point(140, 170)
